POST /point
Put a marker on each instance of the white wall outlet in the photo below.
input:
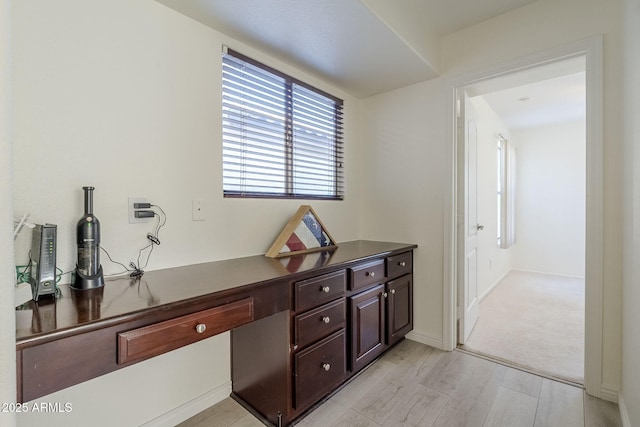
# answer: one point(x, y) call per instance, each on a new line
point(133, 209)
point(198, 212)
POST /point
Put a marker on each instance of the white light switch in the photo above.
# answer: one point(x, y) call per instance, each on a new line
point(198, 211)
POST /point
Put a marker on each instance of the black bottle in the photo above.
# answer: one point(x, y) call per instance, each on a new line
point(88, 269)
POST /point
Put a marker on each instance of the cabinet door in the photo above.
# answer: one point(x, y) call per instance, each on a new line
point(367, 326)
point(400, 307)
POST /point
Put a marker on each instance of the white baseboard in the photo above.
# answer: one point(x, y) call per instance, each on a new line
point(425, 339)
point(191, 408)
point(609, 393)
point(624, 415)
point(548, 273)
point(492, 287)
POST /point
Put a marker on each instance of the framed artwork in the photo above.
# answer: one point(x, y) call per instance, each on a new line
point(303, 233)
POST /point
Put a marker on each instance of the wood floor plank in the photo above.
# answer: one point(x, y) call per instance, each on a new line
point(417, 385)
point(417, 366)
point(465, 377)
point(418, 406)
point(512, 409)
point(326, 414)
point(523, 382)
point(353, 419)
point(247, 421)
point(226, 413)
point(401, 405)
point(559, 405)
point(463, 413)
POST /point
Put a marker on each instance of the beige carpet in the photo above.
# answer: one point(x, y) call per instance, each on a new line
point(535, 321)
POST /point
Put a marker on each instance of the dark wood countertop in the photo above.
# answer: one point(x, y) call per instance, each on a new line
point(124, 299)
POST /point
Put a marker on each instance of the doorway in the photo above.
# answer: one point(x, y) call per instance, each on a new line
point(591, 49)
point(525, 200)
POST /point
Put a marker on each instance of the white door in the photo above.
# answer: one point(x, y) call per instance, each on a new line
point(468, 227)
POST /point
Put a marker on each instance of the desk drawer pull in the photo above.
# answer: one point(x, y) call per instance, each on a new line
point(362, 276)
point(326, 366)
point(326, 319)
point(200, 328)
point(399, 265)
point(314, 292)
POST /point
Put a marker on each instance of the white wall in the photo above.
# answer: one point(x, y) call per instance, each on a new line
point(402, 185)
point(126, 96)
point(493, 263)
point(7, 272)
point(405, 132)
point(550, 203)
point(630, 395)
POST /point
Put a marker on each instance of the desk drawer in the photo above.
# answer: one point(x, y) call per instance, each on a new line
point(318, 323)
point(399, 265)
point(319, 369)
point(153, 340)
point(319, 290)
point(366, 274)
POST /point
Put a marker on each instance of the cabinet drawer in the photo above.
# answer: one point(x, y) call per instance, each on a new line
point(367, 274)
point(319, 290)
point(149, 341)
point(318, 323)
point(399, 265)
point(319, 369)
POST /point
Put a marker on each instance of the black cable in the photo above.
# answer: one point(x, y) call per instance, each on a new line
point(115, 262)
point(150, 245)
point(159, 226)
point(136, 270)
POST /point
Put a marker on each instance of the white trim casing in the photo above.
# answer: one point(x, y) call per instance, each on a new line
point(592, 49)
point(624, 415)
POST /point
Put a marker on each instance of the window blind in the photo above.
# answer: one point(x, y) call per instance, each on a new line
point(280, 137)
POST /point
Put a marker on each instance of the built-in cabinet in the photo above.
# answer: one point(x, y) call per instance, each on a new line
point(340, 322)
point(301, 326)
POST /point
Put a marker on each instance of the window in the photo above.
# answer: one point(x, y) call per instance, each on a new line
point(281, 138)
point(506, 193)
point(500, 174)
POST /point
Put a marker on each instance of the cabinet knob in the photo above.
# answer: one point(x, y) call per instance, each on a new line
point(326, 366)
point(370, 274)
point(384, 295)
point(325, 289)
point(402, 264)
point(393, 291)
point(326, 319)
point(201, 327)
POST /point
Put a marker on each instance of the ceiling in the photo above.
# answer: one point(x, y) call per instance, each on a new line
point(364, 47)
point(545, 95)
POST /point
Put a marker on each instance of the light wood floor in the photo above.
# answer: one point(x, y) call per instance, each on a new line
point(417, 385)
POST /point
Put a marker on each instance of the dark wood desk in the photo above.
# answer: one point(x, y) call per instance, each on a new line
point(85, 334)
